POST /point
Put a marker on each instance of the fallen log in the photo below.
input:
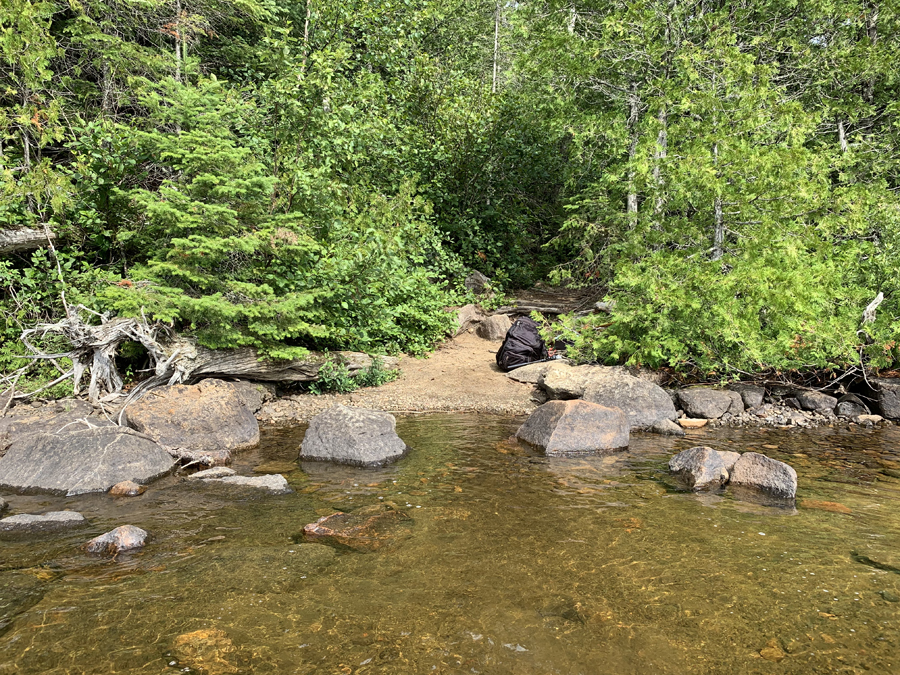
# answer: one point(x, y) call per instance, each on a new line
point(22, 239)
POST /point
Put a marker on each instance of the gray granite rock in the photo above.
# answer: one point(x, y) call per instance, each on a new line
point(215, 472)
point(888, 396)
point(729, 458)
point(4, 505)
point(79, 460)
point(643, 402)
point(272, 482)
point(699, 467)
point(50, 418)
point(353, 436)
point(468, 317)
point(493, 328)
point(709, 403)
point(562, 428)
point(764, 473)
point(254, 394)
point(562, 381)
point(477, 282)
point(532, 373)
point(27, 523)
point(850, 405)
point(123, 538)
point(666, 428)
point(816, 401)
point(751, 395)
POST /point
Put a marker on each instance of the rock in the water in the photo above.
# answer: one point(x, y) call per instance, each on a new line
point(562, 428)
point(124, 538)
point(26, 523)
point(352, 436)
point(493, 327)
point(849, 405)
point(273, 482)
point(750, 394)
point(666, 428)
point(816, 401)
point(4, 505)
point(729, 459)
point(76, 461)
point(210, 651)
point(214, 472)
point(708, 403)
point(888, 396)
point(764, 473)
point(367, 529)
point(699, 467)
point(644, 402)
point(127, 488)
point(204, 422)
point(562, 381)
point(477, 283)
point(532, 373)
point(469, 316)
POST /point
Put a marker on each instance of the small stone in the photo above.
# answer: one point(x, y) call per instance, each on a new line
point(209, 651)
point(127, 488)
point(45, 522)
point(4, 505)
point(751, 395)
point(816, 401)
point(851, 406)
point(890, 597)
point(124, 538)
point(690, 423)
point(273, 482)
point(666, 428)
point(774, 654)
point(868, 419)
point(215, 472)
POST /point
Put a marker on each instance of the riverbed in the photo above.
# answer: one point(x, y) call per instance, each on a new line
point(509, 562)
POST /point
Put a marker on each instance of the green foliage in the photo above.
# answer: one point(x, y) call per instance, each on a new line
point(335, 377)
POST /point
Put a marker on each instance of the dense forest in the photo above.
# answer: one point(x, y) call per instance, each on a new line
point(296, 175)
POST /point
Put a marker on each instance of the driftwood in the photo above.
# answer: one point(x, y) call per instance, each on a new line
point(174, 359)
point(528, 307)
point(22, 239)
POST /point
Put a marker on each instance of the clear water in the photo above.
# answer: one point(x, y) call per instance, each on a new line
point(511, 563)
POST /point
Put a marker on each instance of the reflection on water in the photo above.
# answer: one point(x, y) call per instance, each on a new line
point(513, 563)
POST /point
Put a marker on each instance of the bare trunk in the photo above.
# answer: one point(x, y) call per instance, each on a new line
point(22, 239)
point(662, 142)
point(842, 136)
point(178, 41)
point(306, 35)
point(719, 232)
point(496, 47)
point(872, 33)
point(631, 206)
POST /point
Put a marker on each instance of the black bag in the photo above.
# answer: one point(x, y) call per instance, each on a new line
point(522, 345)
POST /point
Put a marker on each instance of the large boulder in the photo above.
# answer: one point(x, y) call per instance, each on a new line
point(562, 428)
point(254, 394)
point(764, 473)
point(353, 436)
point(53, 521)
point(644, 402)
point(750, 394)
point(699, 467)
point(55, 416)
point(203, 423)
point(493, 328)
point(850, 405)
point(123, 538)
point(888, 396)
point(468, 317)
point(78, 460)
point(816, 401)
point(562, 381)
point(477, 282)
point(708, 403)
point(532, 373)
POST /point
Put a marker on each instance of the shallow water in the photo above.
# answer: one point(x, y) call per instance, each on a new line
point(511, 563)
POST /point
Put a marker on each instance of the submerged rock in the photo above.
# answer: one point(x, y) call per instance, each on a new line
point(699, 467)
point(761, 472)
point(26, 523)
point(210, 651)
point(367, 529)
point(205, 422)
point(272, 482)
point(127, 488)
point(77, 460)
point(353, 436)
point(643, 402)
point(493, 328)
point(562, 428)
point(709, 403)
point(124, 538)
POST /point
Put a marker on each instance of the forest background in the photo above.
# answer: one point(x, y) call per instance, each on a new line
point(322, 175)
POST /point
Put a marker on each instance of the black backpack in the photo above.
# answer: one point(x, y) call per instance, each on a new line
point(522, 345)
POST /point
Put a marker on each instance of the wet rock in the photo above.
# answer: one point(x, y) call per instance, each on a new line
point(562, 428)
point(205, 422)
point(273, 482)
point(772, 652)
point(689, 423)
point(699, 467)
point(367, 529)
point(4, 505)
point(28, 523)
point(214, 472)
point(124, 538)
point(478, 283)
point(469, 317)
point(77, 460)
point(849, 405)
point(493, 328)
point(18, 593)
point(666, 428)
point(127, 488)
point(889, 596)
point(532, 373)
point(254, 394)
point(643, 402)
point(760, 472)
point(816, 401)
point(888, 396)
point(209, 651)
point(708, 403)
point(751, 395)
point(729, 459)
point(353, 436)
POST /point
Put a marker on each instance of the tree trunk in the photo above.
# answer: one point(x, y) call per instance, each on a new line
point(22, 239)
point(631, 206)
point(496, 47)
point(719, 231)
point(662, 142)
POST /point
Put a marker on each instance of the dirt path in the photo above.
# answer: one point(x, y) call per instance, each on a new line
point(461, 376)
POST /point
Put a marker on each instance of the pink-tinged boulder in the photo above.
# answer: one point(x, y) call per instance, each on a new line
point(127, 488)
point(577, 427)
point(124, 538)
point(764, 473)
